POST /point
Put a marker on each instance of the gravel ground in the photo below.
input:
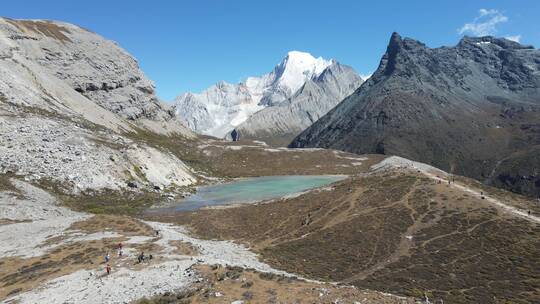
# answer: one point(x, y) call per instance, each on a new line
point(43, 219)
point(168, 272)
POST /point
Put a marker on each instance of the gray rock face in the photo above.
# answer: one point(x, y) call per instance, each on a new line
point(279, 124)
point(465, 109)
point(95, 67)
point(67, 99)
point(215, 110)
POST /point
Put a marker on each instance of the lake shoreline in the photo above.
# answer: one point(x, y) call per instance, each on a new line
point(203, 198)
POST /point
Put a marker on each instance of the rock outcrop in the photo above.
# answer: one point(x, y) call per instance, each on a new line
point(472, 109)
point(69, 100)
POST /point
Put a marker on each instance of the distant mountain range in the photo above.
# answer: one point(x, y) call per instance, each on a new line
point(472, 109)
point(276, 106)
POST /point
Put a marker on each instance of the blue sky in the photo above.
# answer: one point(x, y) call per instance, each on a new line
point(189, 45)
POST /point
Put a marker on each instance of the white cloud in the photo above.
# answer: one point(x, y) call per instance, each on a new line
point(484, 12)
point(516, 38)
point(485, 24)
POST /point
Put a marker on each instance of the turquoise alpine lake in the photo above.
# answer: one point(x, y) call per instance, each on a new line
point(249, 190)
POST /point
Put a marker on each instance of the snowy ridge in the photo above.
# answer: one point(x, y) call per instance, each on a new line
point(278, 125)
point(294, 71)
point(223, 106)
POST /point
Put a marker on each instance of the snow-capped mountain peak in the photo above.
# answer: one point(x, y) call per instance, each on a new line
point(223, 106)
point(302, 61)
point(297, 68)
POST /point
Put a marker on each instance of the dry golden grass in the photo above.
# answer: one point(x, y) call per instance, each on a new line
point(46, 28)
point(184, 248)
point(247, 159)
point(23, 274)
point(148, 248)
point(10, 221)
point(255, 161)
point(124, 225)
point(255, 287)
point(400, 233)
point(507, 197)
point(7, 185)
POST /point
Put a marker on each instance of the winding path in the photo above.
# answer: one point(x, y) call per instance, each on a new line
point(395, 161)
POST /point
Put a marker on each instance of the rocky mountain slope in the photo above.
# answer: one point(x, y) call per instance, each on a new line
point(222, 107)
point(69, 100)
point(472, 109)
point(279, 124)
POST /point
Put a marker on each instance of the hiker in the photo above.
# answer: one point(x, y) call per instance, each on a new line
point(120, 252)
point(120, 245)
point(107, 257)
point(157, 232)
point(150, 257)
point(108, 269)
point(140, 258)
point(307, 220)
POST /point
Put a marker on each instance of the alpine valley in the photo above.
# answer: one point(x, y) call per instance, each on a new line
point(396, 188)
